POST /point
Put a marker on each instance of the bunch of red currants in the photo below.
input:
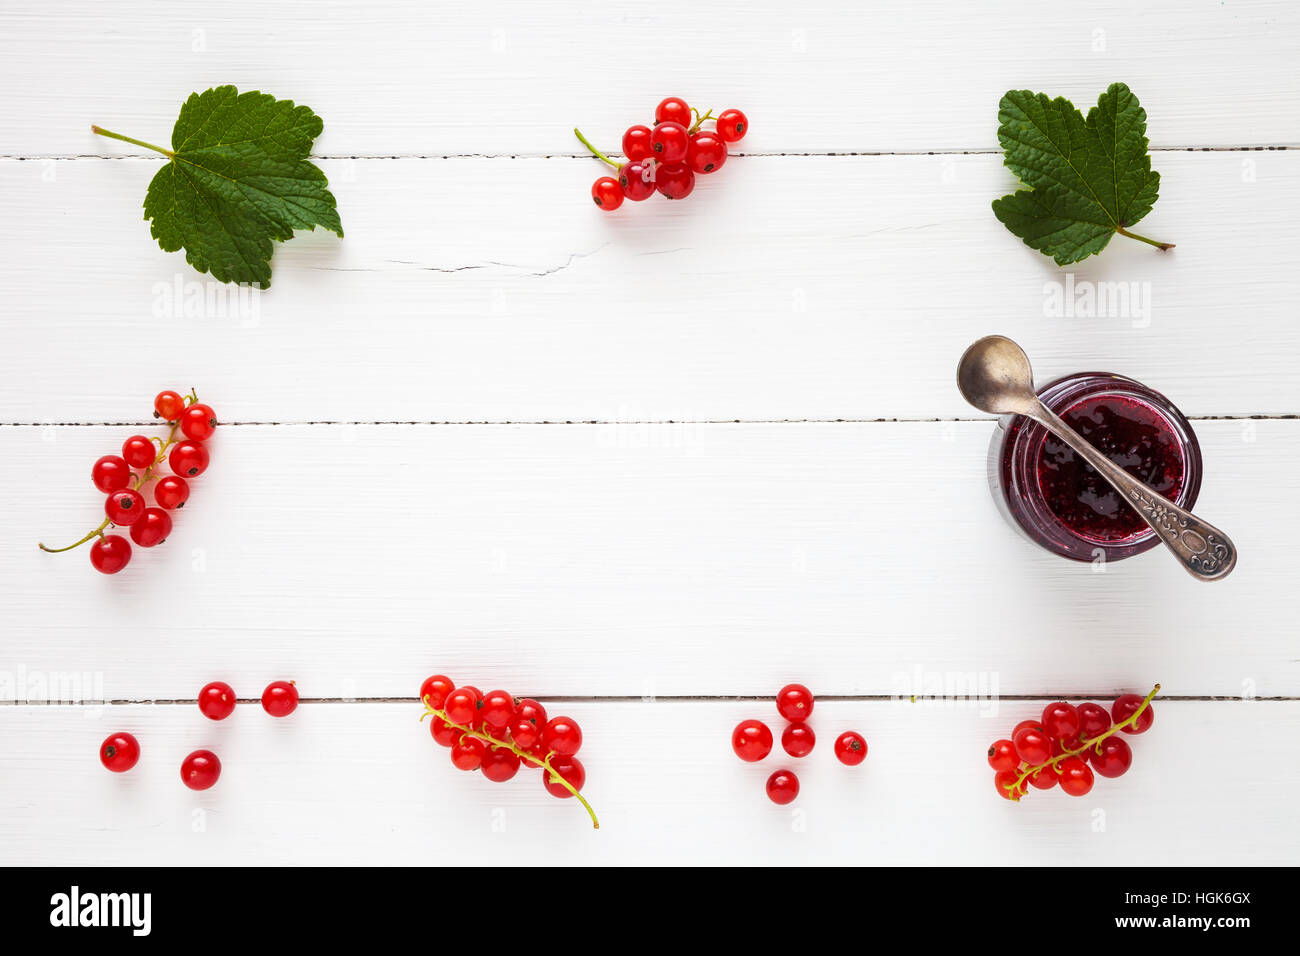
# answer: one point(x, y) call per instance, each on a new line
point(667, 158)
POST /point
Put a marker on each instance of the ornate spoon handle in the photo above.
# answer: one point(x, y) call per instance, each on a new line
point(1205, 551)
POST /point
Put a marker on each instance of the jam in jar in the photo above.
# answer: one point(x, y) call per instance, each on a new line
point(1062, 503)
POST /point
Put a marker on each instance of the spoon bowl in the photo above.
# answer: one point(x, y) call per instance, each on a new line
point(994, 375)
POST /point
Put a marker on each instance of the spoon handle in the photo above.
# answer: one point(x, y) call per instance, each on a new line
point(1205, 551)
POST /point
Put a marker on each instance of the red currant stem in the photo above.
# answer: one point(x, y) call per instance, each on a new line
point(544, 764)
point(1162, 246)
point(97, 533)
point(699, 120)
point(1113, 729)
point(127, 139)
point(594, 151)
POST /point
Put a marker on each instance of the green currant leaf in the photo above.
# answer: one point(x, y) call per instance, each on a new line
point(237, 179)
point(1089, 178)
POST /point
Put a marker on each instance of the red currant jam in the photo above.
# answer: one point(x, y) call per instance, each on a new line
point(1059, 501)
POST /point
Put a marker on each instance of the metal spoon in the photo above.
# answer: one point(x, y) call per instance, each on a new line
point(995, 377)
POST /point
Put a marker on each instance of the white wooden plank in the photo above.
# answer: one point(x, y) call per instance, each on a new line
point(402, 77)
point(669, 560)
point(363, 783)
point(794, 287)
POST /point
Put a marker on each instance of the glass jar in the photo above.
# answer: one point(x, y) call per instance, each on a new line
point(1059, 501)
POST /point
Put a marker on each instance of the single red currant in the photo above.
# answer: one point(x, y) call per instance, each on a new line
point(562, 735)
point(217, 700)
point(435, 689)
point(798, 740)
point(607, 193)
point(1045, 778)
point(525, 732)
point(732, 125)
point(168, 405)
point(637, 179)
point(498, 709)
point(529, 709)
point(171, 492)
point(1075, 776)
point(1124, 708)
point(124, 508)
point(461, 706)
point(1033, 746)
point(110, 554)
point(139, 452)
point(111, 473)
point(1093, 720)
point(499, 764)
point(467, 753)
point(1023, 724)
point(1115, 758)
point(280, 699)
point(782, 787)
point(707, 152)
point(670, 141)
point(1004, 781)
point(794, 702)
point(1003, 756)
point(119, 752)
point(444, 734)
point(1061, 719)
point(751, 740)
point(636, 143)
point(850, 748)
point(200, 770)
point(675, 181)
point(198, 422)
point(673, 110)
point(188, 459)
point(571, 769)
point(152, 529)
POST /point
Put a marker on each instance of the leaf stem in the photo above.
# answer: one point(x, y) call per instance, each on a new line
point(595, 152)
point(522, 755)
point(127, 139)
point(1162, 246)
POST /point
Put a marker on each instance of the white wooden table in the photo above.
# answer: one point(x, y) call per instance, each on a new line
point(652, 464)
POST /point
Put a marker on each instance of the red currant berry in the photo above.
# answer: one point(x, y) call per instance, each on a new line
point(200, 770)
point(461, 706)
point(189, 459)
point(499, 764)
point(571, 769)
point(1065, 744)
point(171, 492)
point(1127, 705)
point(1093, 720)
point(794, 702)
point(124, 508)
point(1033, 746)
point(732, 125)
point(670, 141)
point(444, 734)
point(751, 740)
point(1044, 779)
point(673, 110)
point(1003, 756)
point(1005, 783)
point(467, 753)
point(168, 405)
point(675, 182)
point(110, 554)
point(798, 740)
point(562, 735)
point(139, 452)
point(525, 732)
point(1075, 776)
point(707, 152)
point(607, 193)
point(198, 422)
point(111, 473)
point(119, 752)
point(637, 179)
point(435, 689)
point(782, 787)
point(1060, 720)
point(850, 748)
point(498, 708)
point(217, 700)
point(280, 699)
point(152, 529)
point(529, 709)
point(636, 143)
point(1115, 758)
point(1023, 724)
